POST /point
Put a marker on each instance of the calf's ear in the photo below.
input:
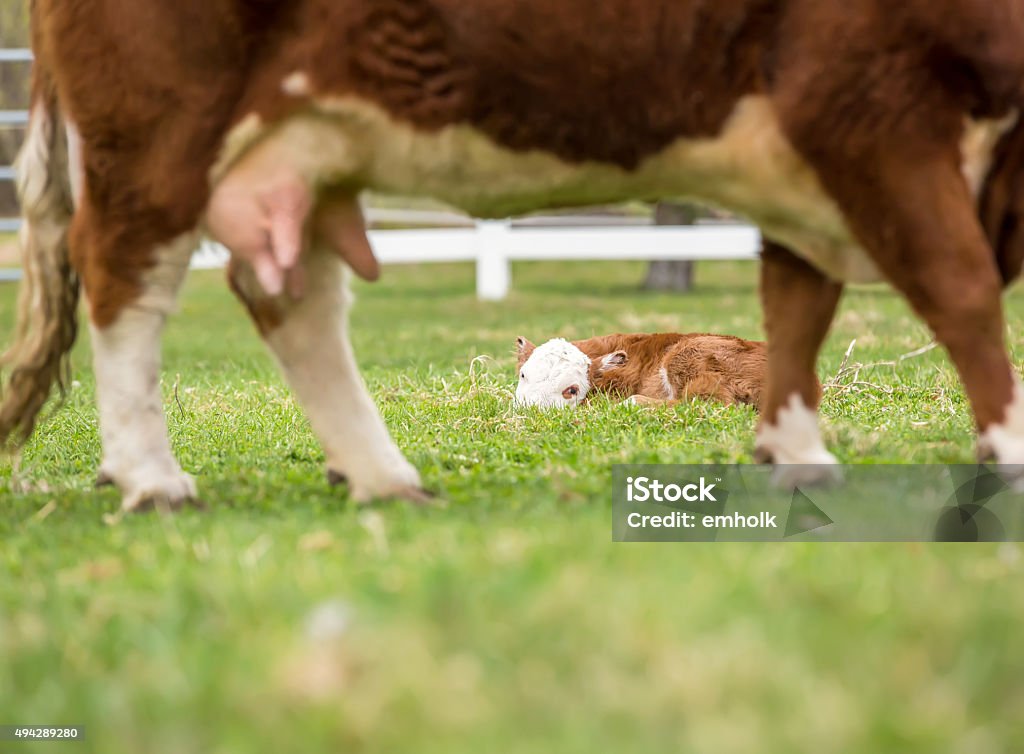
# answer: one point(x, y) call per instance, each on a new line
point(523, 349)
point(612, 361)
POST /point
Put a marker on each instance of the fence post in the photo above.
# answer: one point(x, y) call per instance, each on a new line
point(671, 274)
point(493, 269)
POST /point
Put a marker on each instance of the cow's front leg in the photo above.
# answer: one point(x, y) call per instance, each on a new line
point(126, 335)
point(309, 337)
point(799, 303)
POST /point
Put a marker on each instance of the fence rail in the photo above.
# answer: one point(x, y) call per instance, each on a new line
point(494, 245)
point(13, 117)
point(15, 55)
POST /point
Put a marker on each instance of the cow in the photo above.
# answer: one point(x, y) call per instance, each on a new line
point(868, 140)
point(643, 368)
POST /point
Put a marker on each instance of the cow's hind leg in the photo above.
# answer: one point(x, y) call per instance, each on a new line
point(799, 303)
point(126, 323)
point(309, 337)
point(916, 217)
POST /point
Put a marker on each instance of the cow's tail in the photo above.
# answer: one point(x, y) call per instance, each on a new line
point(48, 300)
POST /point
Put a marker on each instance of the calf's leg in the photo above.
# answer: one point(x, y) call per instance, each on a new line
point(309, 338)
point(708, 387)
point(799, 303)
point(646, 400)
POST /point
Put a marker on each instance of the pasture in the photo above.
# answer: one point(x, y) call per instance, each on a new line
point(283, 618)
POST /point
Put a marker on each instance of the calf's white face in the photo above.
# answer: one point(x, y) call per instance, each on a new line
point(555, 374)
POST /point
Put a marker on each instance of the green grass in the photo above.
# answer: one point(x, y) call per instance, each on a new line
point(504, 620)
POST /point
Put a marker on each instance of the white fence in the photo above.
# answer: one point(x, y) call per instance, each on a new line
point(494, 245)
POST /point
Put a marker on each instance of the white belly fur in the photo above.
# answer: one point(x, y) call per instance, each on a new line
point(750, 168)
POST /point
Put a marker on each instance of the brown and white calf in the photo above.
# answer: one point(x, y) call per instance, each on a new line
point(868, 140)
point(660, 368)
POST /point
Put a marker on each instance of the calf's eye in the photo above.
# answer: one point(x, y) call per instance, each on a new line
point(571, 392)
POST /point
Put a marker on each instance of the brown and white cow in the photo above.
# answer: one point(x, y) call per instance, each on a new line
point(867, 139)
point(646, 368)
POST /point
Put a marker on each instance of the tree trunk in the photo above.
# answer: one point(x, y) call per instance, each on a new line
point(668, 274)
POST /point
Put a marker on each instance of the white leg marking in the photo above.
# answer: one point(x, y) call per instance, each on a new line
point(795, 447)
point(1006, 440)
point(296, 84)
point(136, 451)
point(978, 145)
point(670, 394)
point(313, 348)
point(76, 168)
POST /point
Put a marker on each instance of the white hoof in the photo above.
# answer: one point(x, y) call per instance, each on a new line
point(161, 491)
point(791, 476)
point(398, 479)
point(1013, 475)
point(793, 444)
point(808, 456)
point(1009, 464)
point(999, 447)
point(1004, 442)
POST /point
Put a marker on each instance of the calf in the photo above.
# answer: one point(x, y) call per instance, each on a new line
point(651, 369)
point(868, 140)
